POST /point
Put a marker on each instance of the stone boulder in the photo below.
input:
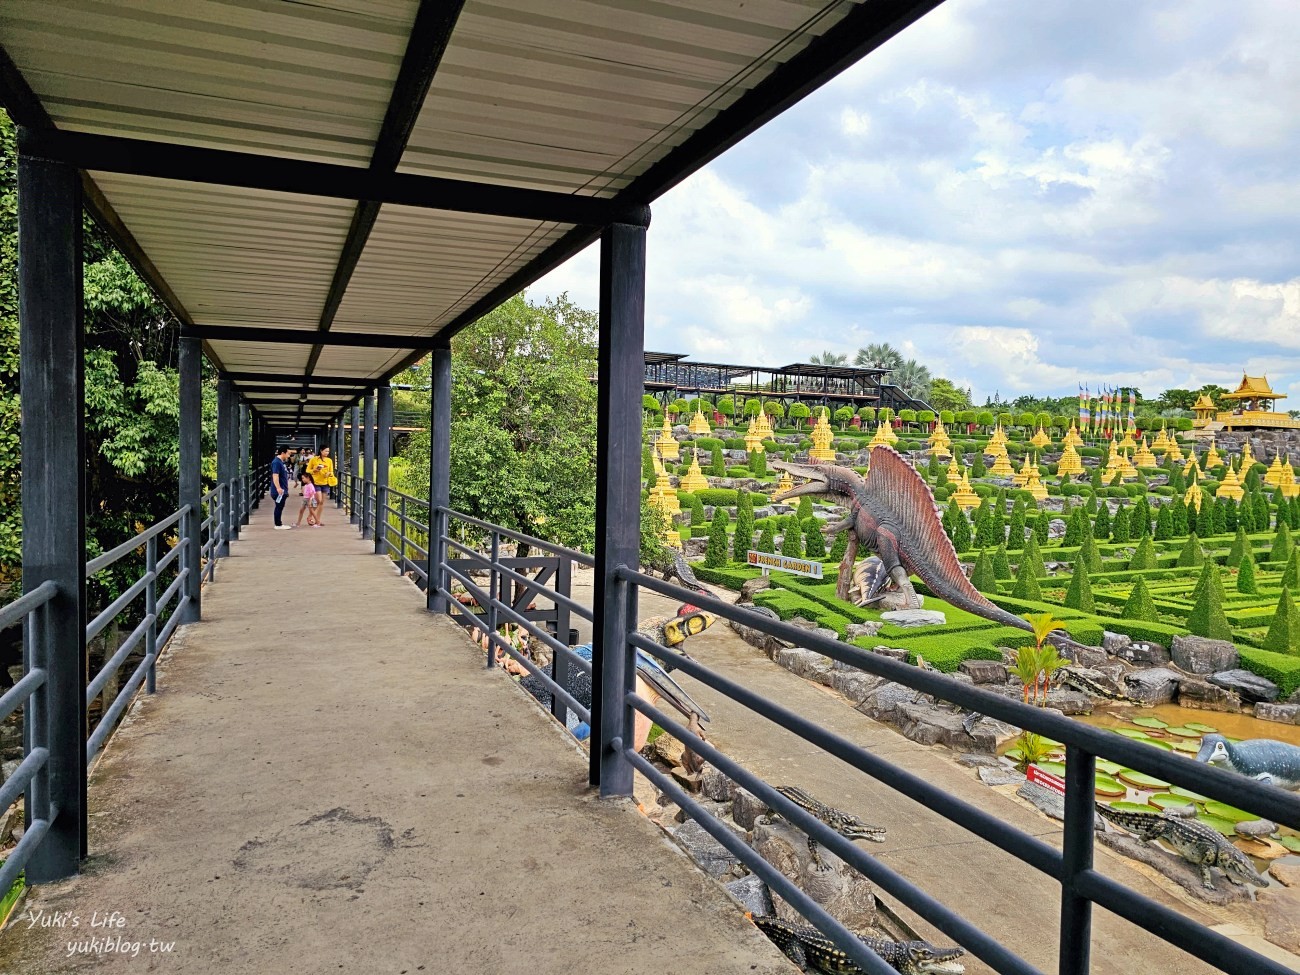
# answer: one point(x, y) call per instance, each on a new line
point(714, 784)
point(844, 892)
point(1114, 642)
point(855, 684)
point(1251, 687)
point(1000, 776)
point(1281, 913)
point(752, 894)
point(855, 630)
point(1143, 653)
point(751, 586)
point(900, 602)
point(713, 858)
point(1195, 693)
point(1281, 713)
point(806, 664)
point(882, 703)
point(746, 808)
point(927, 725)
point(1201, 655)
point(914, 617)
point(756, 638)
point(894, 653)
point(984, 671)
point(1158, 685)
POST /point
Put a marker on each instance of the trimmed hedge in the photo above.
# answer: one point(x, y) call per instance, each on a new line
point(733, 577)
point(1283, 669)
point(787, 605)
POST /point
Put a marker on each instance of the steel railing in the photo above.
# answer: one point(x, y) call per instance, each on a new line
point(1082, 886)
point(162, 585)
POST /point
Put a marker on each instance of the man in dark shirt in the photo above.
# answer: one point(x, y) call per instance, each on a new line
point(280, 485)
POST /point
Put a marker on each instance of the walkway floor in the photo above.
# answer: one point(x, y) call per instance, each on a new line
point(327, 781)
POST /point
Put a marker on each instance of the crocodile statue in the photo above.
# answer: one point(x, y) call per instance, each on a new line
point(846, 824)
point(1263, 759)
point(812, 951)
point(892, 513)
point(1195, 842)
point(1080, 681)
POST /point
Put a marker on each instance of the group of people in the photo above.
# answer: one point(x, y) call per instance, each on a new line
point(316, 481)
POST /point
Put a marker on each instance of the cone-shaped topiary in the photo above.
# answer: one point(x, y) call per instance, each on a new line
point(814, 540)
point(1089, 553)
point(1041, 524)
point(977, 466)
point(1139, 606)
point(1145, 555)
point(1073, 529)
point(1240, 547)
point(1101, 524)
point(1221, 506)
point(1016, 528)
point(840, 546)
point(1246, 515)
point(1206, 618)
point(1140, 520)
point(1284, 632)
point(1191, 555)
point(1209, 576)
point(1230, 514)
point(805, 509)
point(767, 538)
point(648, 473)
point(1246, 576)
point(1291, 577)
point(716, 555)
point(758, 464)
point(1204, 518)
point(792, 539)
point(1282, 545)
point(961, 533)
point(718, 464)
point(1026, 586)
point(1120, 531)
point(1033, 557)
point(1079, 595)
point(1001, 567)
point(1259, 504)
point(982, 576)
point(1164, 524)
point(744, 535)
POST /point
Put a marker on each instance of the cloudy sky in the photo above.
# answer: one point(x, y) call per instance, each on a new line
point(1025, 195)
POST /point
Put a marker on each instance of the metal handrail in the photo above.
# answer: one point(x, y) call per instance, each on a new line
point(28, 602)
point(582, 558)
point(1082, 885)
point(102, 562)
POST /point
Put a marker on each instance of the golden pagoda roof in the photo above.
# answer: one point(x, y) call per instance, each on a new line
point(1203, 402)
point(1253, 387)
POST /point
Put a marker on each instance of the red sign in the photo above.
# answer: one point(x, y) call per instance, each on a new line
point(1046, 779)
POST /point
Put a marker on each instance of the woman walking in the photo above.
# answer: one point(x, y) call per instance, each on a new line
point(321, 469)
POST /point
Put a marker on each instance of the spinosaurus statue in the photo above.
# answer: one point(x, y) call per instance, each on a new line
point(892, 513)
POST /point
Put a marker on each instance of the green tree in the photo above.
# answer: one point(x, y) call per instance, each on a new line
point(1144, 556)
point(744, 534)
point(718, 462)
point(1282, 545)
point(1284, 631)
point(767, 538)
point(977, 465)
point(1164, 524)
point(648, 473)
point(792, 539)
point(1219, 514)
point(805, 509)
point(1119, 531)
point(814, 540)
point(1206, 618)
point(1179, 515)
point(798, 413)
point(1041, 524)
point(693, 503)
point(982, 576)
point(1079, 595)
point(1139, 605)
point(1026, 586)
point(715, 556)
point(1291, 575)
point(961, 536)
point(1101, 524)
point(1140, 521)
point(1089, 553)
point(1016, 528)
point(1246, 576)
point(1001, 565)
point(1073, 529)
point(1240, 547)
point(839, 546)
point(758, 463)
point(1191, 554)
point(1033, 557)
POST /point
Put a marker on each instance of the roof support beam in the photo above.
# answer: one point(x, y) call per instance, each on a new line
point(165, 160)
point(360, 383)
point(298, 336)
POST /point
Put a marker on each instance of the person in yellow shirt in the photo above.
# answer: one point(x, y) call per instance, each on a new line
point(321, 469)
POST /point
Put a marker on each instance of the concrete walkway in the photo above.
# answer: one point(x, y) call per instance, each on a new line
point(328, 781)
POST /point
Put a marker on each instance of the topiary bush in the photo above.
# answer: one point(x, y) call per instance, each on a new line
point(1284, 631)
point(716, 555)
point(1206, 618)
point(1139, 605)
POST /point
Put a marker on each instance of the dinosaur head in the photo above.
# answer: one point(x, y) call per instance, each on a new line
point(1214, 750)
point(923, 958)
point(688, 622)
point(816, 478)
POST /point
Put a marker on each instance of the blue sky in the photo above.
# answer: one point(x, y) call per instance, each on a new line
point(1023, 195)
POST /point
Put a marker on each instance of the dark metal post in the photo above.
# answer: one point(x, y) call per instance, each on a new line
point(384, 446)
point(339, 466)
point(151, 610)
point(368, 433)
point(618, 498)
point(191, 483)
point(1076, 855)
point(490, 613)
point(559, 663)
point(225, 457)
point(440, 474)
point(245, 469)
point(51, 370)
point(354, 465)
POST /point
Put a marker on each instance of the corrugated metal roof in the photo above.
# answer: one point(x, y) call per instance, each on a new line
point(569, 96)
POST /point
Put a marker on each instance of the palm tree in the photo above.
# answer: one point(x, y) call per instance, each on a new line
point(912, 378)
point(1047, 661)
point(881, 355)
point(829, 359)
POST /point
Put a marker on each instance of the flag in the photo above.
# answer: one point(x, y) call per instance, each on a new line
point(1132, 404)
point(1083, 408)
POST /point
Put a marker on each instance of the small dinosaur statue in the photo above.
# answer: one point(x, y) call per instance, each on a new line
point(1195, 842)
point(812, 951)
point(892, 513)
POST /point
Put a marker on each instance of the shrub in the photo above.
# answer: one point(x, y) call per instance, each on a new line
point(1284, 632)
point(982, 576)
point(1079, 595)
point(839, 546)
point(1282, 544)
point(1164, 524)
point(758, 463)
point(792, 539)
point(733, 576)
point(1016, 529)
point(693, 504)
point(715, 556)
point(744, 534)
point(1206, 618)
point(1119, 531)
point(814, 540)
point(1246, 576)
point(1001, 567)
point(648, 473)
point(1281, 668)
point(1291, 577)
point(767, 538)
point(1026, 586)
point(1144, 557)
point(805, 509)
point(1101, 524)
point(1089, 554)
point(787, 605)
point(1191, 555)
point(1139, 606)
point(961, 532)
point(1031, 557)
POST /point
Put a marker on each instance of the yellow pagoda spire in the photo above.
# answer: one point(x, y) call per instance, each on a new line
point(1230, 486)
point(1192, 496)
point(1174, 452)
point(663, 496)
point(666, 445)
point(1247, 459)
point(1273, 477)
point(965, 497)
point(1040, 439)
point(1021, 477)
point(1033, 482)
point(822, 435)
point(1072, 438)
point(1069, 465)
point(939, 440)
point(784, 483)
point(694, 480)
point(997, 439)
point(753, 439)
point(1143, 457)
point(763, 426)
point(884, 435)
point(1287, 484)
point(700, 424)
point(954, 470)
point(1002, 464)
point(1212, 458)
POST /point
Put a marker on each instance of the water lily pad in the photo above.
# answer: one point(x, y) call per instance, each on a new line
point(1167, 800)
point(1150, 723)
point(1204, 729)
point(1108, 767)
point(1190, 747)
point(1108, 787)
point(1223, 811)
point(1141, 780)
point(1292, 843)
point(1162, 745)
point(1141, 807)
point(1179, 790)
point(1055, 768)
point(1133, 733)
point(1183, 732)
point(1014, 753)
point(1224, 826)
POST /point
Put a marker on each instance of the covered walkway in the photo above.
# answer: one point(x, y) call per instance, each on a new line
point(327, 780)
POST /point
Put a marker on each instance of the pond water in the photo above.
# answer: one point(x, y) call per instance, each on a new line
point(1232, 725)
